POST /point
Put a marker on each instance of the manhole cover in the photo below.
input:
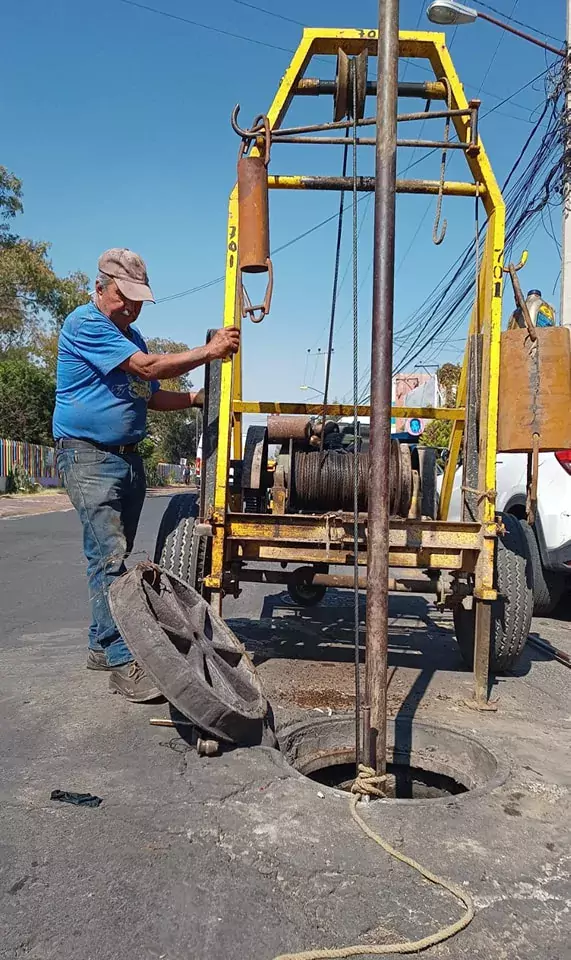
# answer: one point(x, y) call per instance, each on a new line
point(424, 761)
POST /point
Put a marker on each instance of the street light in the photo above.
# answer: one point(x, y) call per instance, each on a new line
point(449, 13)
point(305, 386)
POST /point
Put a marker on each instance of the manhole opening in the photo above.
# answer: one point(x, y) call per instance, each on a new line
point(403, 782)
point(424, 761)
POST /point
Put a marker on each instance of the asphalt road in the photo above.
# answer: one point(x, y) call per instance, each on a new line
point(42, 571)
point(238, 858)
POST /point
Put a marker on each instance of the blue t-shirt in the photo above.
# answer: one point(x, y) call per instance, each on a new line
point(95, 400)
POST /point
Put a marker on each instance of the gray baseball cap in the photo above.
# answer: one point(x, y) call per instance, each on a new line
point(129, 272)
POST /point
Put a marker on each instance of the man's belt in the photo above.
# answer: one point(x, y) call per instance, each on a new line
point(67, 444)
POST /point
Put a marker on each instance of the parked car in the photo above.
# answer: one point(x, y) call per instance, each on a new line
point(549, 539)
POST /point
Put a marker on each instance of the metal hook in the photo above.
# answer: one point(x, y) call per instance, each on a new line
point(437, 236)
point(246, 134)
point(263, 140)
point(264, 308)
point(261, 132)
point(518, 266)
point(512, 269)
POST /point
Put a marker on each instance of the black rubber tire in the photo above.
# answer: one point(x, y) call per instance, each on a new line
point(306, 594)
point(191, 655)
point(512, 611)
point(424, 460)
point(177, 549)
point(547, 587)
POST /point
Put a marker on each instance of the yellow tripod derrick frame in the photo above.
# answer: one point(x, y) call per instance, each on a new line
point(486, 316)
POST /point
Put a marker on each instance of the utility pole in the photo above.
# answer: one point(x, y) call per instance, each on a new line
point(566, 248)
point(324, 354)
point(375, 713)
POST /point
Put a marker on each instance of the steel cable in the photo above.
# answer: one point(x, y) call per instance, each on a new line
point(334, 292)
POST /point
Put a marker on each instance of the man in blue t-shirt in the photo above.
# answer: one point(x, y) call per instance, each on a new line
point(106, 381)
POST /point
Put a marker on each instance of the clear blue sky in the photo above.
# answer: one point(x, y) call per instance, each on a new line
point(117, 121)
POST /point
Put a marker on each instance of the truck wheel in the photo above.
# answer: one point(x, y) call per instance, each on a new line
point(177, 550)
point(547, 587)
point(512, 611)
point(305, 594)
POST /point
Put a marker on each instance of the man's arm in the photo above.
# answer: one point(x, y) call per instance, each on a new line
point(164, 366)
point(175, 400)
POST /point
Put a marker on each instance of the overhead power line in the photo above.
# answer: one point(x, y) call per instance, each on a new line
point(205, 26)
point(270, 13)
point(537, 186)
point(495, 53)
point(533, 191)
point(272, 46)
point(520, 23)
point(284, 246)
point(322, 223)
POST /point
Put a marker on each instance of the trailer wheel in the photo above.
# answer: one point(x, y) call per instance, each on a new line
point(547, 587)
point(306, 594)
point(512, 611)
point(177, 550)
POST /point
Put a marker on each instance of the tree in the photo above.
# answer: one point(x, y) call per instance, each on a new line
point(164, 345)
point(27, 397)
point(448, 376)
point(181, 436)
point(34, 301)
point(437, 433)
point(175, 433)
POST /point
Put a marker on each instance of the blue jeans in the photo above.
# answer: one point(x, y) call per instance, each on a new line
point(108, 491)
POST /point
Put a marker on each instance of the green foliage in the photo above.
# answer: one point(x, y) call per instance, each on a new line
point(175, 432)
point(180, 437)
point(437, 432)
point(164, 345)
point(18, 481)
point(34, 301)
point(149, 453)
point(27, 397)
point(10, 198)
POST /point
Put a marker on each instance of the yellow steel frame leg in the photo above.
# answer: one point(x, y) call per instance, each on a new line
point(486, 317)
point(230, 380)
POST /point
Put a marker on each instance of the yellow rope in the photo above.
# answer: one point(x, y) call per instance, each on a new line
point(368, 783)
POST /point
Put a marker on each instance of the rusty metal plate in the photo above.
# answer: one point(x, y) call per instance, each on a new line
point(535, 390)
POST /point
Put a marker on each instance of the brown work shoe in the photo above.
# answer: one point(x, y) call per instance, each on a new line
point(96, 660)
point(131, 681)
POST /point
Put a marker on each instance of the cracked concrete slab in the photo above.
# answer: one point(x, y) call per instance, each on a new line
point(239, 857)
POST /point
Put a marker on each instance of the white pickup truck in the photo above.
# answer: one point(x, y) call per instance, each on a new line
point(550, 538)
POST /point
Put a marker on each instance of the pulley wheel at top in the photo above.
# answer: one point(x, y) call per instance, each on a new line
point(350, 73)
point(360, 64)
point(341, 98)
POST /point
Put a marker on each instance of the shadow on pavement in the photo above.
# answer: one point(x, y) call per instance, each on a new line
point(419, 639)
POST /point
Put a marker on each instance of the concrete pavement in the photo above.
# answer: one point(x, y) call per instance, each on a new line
point(239, 856)
point(14, 505)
